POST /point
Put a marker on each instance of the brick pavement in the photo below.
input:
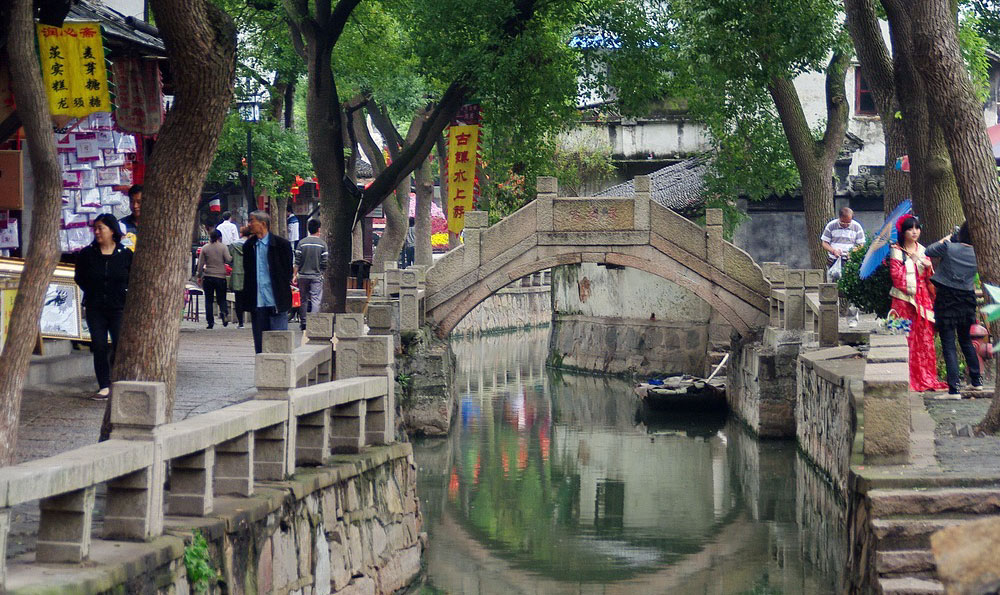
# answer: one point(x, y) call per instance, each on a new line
point(214, 369)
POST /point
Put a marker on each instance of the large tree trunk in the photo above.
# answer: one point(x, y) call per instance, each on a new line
point(935, 193)
point(814, 160)
point(938, 59)
point(43, 247)
point(423, 254)
point(201, 45)
point(876, 65)
point(396, 224)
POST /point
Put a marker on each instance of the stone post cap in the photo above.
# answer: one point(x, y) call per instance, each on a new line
point(278, 341)
point(713, 217)
point(476, 219)
point(391, 265)
point(641, 184)
point(377, 350)
point(772, 270)
point(349, 326)
point(409, 278)
point(795, 278)
point(828, 293)
point(138, 404)
point(546, 185)
point(319, 326)
point(813, 277)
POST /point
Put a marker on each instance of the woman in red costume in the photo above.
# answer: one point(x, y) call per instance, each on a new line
point(911, 271)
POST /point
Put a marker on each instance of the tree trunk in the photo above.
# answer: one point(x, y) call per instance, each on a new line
point(937, 57)
point(423, 253)
point(932, 181)
point(290, 105)
point(876, 65)
point(43, 248)
point(201, 46)
point(814, 160)
point(396, 223)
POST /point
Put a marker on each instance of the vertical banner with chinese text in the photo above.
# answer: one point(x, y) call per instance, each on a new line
point(74, 70)
point(463, 148)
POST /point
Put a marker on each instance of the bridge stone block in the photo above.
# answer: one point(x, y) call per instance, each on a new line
point(715, 246)
point(593, 214)
point(274, 371)
point(319, 327)
point(191, 484)
point(477, 220)
point(137, 408)
point(278, 341)
point(547, 185)
point(548, 188)
point(812, 278)
point(795, 299)
point(64, 527)
point(642, 198)
point(349, 326)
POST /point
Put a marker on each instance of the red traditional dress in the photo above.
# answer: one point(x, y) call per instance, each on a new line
point(911, 299)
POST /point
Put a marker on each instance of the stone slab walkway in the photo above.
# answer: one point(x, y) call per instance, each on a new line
point(214, 369)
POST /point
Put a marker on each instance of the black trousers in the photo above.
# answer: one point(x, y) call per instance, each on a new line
point(102, 322)
point(215, 287)
point(948, 334)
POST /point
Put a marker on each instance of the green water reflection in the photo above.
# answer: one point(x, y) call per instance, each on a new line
point(551, 484)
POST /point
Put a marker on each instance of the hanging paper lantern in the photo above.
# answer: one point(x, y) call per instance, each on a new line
point(215, 205)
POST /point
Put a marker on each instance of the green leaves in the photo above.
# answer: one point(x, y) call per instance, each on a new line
point(871, 294)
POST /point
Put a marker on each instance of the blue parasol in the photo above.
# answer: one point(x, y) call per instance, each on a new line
point(879, 248)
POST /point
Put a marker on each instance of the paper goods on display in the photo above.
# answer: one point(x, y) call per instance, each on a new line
point(97, 172)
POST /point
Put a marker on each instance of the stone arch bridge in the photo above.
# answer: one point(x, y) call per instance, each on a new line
point(631, 231)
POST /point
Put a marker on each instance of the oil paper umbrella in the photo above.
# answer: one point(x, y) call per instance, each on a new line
point(886, 235)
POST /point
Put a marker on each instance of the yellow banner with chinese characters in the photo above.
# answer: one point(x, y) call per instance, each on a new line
point(73, 67)
point(463, 145)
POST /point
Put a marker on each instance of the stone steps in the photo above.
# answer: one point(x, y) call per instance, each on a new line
point(977, 501)
point(910, 586)
point(909, 533)
point(905, 562)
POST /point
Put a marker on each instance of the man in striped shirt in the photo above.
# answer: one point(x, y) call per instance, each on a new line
point(310, 261)
point(841, 236)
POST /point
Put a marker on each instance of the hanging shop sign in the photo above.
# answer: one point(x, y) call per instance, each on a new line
point(463, 148)
point(74, 69)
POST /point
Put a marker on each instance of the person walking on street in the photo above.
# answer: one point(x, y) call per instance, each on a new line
point(267, 270)
point(236, 278)
point(102, 271)
point(230, 233)
point(411, 243)
point(212, 277)
point(310, 261)
point(955, 303)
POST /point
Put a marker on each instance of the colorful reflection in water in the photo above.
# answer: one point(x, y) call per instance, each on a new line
point(549, 484)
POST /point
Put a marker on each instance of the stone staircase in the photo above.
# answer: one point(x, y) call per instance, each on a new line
point(903, 522)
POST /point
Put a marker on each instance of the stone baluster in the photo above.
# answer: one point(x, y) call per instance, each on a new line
point(134, 507)
point(409, 298)
point(829, 315)
point(715, 243)
point(547, 279)
point(377, 360)
point(312, 435)
point(640, 215)
point(548, 188)
point(64, 526)
point(391, 279)
point(234, 466)
point(775, 274)
point(275, 375)
point(4, 533)
point(347, 422)
point(191, 483)
point(319, 331)
point(794, 299)
point(356, 301)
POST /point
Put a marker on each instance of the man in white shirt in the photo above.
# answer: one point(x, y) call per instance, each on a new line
point(230, 233)
point(841, 236)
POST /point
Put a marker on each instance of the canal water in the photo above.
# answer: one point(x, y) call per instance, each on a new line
point(555, 483)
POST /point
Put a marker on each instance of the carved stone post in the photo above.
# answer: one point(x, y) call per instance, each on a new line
point(275, 376)
point(377, 360)
point(391, 278)
point(234, 466)
point(475, 223)
point(775, 275)
point(348, 329)
point(829, 315)
point(409, 299)
point(64, 526)
point(548, 188)
point(134, 509)
point(191, 484)
point(794, 299)
point(641, 209)
point(715, 246)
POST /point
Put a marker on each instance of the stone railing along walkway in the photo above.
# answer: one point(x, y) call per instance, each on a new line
point(300, 416)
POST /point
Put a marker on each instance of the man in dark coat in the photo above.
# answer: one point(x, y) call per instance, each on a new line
point(267, 269)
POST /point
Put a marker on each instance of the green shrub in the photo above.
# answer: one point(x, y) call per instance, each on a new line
point(870, 295)
point(200, 573)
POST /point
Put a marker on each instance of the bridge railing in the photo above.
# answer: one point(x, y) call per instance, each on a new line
point(300, 416)
point(801, 301)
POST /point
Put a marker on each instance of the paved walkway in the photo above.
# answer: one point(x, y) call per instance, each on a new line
point(214, 369)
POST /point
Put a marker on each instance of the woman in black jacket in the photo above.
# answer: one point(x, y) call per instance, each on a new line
point(102, 271)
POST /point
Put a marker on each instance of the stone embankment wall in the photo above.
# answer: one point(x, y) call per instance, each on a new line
point(426, 383)
point(761, 384)
point(512, 308)
point(829, 384)
point(353, 527)
point(617, 320)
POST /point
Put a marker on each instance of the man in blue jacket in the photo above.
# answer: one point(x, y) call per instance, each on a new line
point(267, 269)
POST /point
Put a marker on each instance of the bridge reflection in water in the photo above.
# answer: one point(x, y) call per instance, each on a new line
point(550, 483)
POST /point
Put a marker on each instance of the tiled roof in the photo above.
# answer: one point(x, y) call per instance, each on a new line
point(677, 187)
point(120, 32)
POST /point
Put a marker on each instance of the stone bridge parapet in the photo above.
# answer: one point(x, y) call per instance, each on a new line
point(632, 232)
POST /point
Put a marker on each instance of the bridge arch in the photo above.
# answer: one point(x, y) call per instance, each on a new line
point(632, 232)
